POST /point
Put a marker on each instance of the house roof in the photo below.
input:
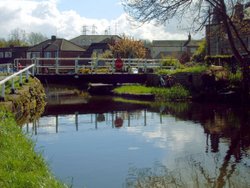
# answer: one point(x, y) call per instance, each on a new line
point(168, 43)
point(175, 43)
point(56, 44)
point(87, 40)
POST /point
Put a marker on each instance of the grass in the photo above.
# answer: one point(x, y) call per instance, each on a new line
point(175, 93)
point(192, 69)
point(20, 165)
point(17, 86)
point(133, 90)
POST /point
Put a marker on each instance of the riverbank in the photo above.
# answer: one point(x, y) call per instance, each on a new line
point(27, 103)
point(20, 165)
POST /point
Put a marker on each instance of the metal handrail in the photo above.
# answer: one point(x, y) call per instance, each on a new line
point(13, 76)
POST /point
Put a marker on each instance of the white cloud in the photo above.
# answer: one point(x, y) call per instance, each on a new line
point(45, 17)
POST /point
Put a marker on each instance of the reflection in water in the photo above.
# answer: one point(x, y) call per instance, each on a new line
point(153, 145)
point(117, 120)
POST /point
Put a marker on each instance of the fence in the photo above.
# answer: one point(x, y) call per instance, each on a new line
point(90, 65)
point(14, 76)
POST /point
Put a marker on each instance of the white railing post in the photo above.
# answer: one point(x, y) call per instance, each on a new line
point(13, 86)
point(21, 79)
point(57, 65)
point(3, 92)
point(113, 65)
point(76, 66)
point(27, 76)
point(145, 66)
point(37, 66)
point(8, 68)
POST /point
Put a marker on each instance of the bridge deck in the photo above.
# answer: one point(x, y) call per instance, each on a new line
point(83, 80)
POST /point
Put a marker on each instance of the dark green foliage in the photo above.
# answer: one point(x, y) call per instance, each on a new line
point(200, 53)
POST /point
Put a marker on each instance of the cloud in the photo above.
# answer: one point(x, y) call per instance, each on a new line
point(45, 17)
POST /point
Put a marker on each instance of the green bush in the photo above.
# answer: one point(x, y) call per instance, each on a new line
point(193, 69)
point(169, 61)
point(200, 53)
point(175, 93)
point(235, 79)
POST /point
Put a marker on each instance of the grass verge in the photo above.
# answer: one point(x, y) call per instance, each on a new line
point(192, 69)
point(174, 93)
point(20, 165)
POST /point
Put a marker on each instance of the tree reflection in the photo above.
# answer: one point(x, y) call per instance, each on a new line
point(219, 122)
point(191, 171)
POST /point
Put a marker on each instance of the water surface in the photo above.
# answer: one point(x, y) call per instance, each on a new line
point(105, 142)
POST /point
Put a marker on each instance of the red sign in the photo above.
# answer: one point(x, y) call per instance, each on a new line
point(118, 64)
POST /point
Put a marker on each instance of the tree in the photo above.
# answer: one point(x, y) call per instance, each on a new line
point(36, 38)
point(3, 43)
point(200, 12)
point(17, 37)
point(128, 48)
point(200, 53)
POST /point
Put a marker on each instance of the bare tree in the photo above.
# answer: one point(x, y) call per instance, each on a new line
point(17, 37)
point(200, 11)
point(35, 38)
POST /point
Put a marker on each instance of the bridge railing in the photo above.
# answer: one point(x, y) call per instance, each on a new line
point(6, 68)
point(13, 77)
point(90, 65)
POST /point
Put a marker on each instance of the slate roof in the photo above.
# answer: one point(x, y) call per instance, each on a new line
point(87, 40)
point(168, 43)
point(54, 45)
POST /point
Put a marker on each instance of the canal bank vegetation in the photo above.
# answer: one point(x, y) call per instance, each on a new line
point(27, 102)
point(20, 165)
point(174, 93)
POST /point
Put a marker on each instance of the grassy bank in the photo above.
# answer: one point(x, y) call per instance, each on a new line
point(177, 92)
point(20, 165)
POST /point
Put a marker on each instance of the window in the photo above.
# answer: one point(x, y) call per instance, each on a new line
point(8, 54)
point(47, 55)
point(1, 55)
point(35, 54)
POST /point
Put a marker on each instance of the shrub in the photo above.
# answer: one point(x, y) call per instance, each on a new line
point(175, 93)
point(200, 53)
point(193, 69)
point(169, 61)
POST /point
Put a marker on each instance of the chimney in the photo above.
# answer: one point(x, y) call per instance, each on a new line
point(53, 37)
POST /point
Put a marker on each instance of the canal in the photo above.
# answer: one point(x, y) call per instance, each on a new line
point(115, 143)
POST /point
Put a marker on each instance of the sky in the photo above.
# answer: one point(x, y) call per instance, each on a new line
point(71, 18)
